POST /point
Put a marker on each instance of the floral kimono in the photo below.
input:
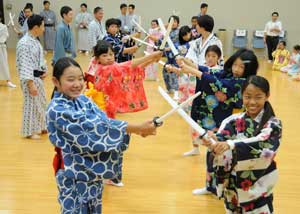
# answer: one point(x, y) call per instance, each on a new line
point(122, 86)
point(221, 93)
point(90, 145)
point(246, 175)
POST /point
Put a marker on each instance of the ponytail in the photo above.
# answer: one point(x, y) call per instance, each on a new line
point(268, 113)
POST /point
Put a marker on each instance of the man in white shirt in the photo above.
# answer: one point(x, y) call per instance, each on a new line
point(96, 28)
point(272, 31)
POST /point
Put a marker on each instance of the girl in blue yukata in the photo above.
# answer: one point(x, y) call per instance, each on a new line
point(244, 152)
point(187, 83)
point(221, 93)
point(90, 142)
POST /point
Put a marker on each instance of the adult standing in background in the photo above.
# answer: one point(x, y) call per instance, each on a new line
point(124, 18)
point(82, 22)
point(32, 70)
point(203, 9)
point(64, 45)
point(272, 31)
point(96, 29)
point(132, 16)
point(50, 22)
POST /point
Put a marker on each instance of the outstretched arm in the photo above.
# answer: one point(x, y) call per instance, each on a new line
point(146, 60)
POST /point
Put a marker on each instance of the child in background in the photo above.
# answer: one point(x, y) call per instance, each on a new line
point(294, 68)
point(195, 34)
point(281, 56)
point(212, 56)
point(170, 78)
point(112, 28)
point(89, 141)
point(246, 145)
point(155, 35)
point(221, 93)
point(293, 58)
point(187, 83)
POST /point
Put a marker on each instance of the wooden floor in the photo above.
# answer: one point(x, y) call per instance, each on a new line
point(157, 178)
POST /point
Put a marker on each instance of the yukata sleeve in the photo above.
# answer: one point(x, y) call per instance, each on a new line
point(25, 62)
point(92, 32)
point(86, 132)
point(191, 54)
point(229, 86)
point(260, 149)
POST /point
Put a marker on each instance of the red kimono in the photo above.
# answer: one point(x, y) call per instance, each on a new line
point(122, 86)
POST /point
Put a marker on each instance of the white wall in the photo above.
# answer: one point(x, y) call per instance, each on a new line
point(228, 14)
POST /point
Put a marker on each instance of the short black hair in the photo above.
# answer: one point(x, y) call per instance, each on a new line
point(112, 21)
point(28, 5)
point(102, 47)
point(83, 4)
point(65, 10)
point(46, 2)
point(184, 30)
point(96, 9)
point(123, 5)
point(283, 42)
point(194, 17)
point(215, 49)
point(207, 22)
point(275, 13)
point(34, 20)
point(155, 20)
point(297, 47)
point(203, 5)
point(175, 18)
point(132, 6)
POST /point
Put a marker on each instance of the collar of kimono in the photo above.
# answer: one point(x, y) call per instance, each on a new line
point(206, 41)
point(259, 116)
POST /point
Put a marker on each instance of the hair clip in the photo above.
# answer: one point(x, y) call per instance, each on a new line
point(246, 61)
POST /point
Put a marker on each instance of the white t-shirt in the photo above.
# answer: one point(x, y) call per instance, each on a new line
point(271, 25)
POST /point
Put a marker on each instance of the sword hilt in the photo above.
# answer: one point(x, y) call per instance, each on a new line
point(156, 123)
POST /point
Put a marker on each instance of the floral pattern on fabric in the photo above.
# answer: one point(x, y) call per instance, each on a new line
point(247, 174)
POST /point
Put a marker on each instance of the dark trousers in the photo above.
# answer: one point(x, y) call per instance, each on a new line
point(272, 42)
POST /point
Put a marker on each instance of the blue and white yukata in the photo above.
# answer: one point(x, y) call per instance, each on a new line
point(170, 78)
point(91, 145)
point(117, 46)
point(30, 57)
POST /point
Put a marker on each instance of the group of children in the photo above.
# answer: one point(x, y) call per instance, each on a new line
point(90, 142)
point(286, 62)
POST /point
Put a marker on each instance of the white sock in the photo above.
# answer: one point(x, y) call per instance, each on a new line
point(194, 151)
point(202, 191)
